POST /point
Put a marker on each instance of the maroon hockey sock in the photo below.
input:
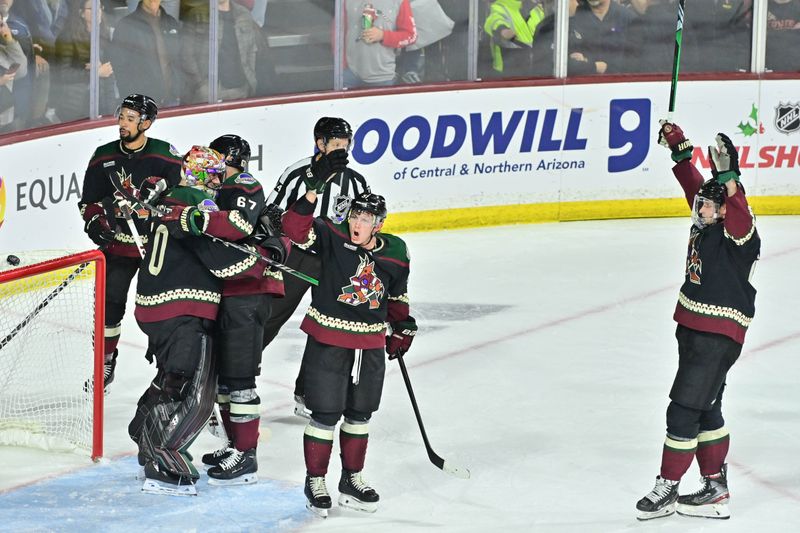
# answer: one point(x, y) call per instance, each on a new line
point(317, 448)
point(712, 448)
point(225, 412)
point(245, 434)
point(109, 345)
point(353, 443)
point(676, 458)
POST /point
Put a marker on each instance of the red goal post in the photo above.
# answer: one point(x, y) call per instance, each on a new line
point(52, 317)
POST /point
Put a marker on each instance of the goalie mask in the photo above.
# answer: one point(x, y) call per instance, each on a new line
point(710, 198)
point(203, 168)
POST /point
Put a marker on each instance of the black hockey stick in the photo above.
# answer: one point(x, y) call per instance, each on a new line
point(676, 60)
point(440, 463)
point(42, 305)
point(161, 211)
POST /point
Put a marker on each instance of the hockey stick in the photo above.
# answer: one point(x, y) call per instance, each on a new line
point(440, 463)
point(676, 60)
point(161, 211)
point(126, 209)
point(42, 305)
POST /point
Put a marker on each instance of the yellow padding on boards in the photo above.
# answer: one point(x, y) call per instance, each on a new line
point(47, 280)
point(499, 215)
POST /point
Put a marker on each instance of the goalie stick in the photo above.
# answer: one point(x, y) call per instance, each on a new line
point(440, 463)
point(161, 211)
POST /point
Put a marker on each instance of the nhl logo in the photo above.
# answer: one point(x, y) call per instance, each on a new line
point(341, 204)
point(787, 118)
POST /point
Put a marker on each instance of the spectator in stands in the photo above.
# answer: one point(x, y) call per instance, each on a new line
point(716, 36)
point(69, 93)
point(239, 39)
point(145, 52)
point(652, 35)
point(42, 20)
point(433, 25)
point(172, 7)
point(23, 93)
point(447, 59)
point(13, 65)
point(512, 26)
point(599, 33)
point(375, 30)
point(783, 35)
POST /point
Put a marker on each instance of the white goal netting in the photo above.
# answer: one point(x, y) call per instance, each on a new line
point(47, 350)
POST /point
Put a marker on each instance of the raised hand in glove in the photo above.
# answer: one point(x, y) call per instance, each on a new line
point(182, 221)
point(403, 333)
point(724, 159)
point(102, 226)
point(323, 168)
point(671, 136)
point(151, 189)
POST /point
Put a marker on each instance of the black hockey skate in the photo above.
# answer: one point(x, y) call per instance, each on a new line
point(159, 481)
point(216, 457)
point(711, 501)
point(356, 494)
point(239, 468)
point(108, 374)
point(660, 502)
point(319, 501)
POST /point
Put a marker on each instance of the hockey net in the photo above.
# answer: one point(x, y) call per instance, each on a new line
point(51, 350)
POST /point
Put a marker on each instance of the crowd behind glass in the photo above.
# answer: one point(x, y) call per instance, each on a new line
point(66, 60)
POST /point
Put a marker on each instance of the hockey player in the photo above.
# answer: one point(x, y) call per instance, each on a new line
point(715, 308)
point(177, 297)
point(131, 159)
point(363, 286)
point(333, 138)
point(244, 308)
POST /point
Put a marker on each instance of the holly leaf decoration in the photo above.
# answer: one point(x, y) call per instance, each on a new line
point(746, 129)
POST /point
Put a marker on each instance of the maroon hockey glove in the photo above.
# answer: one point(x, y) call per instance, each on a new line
point(724, 159)
point(403, 333)
point(102, 226)
point(151, 189)
point(671, 136)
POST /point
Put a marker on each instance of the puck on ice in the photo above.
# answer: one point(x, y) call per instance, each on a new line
point(13, 260)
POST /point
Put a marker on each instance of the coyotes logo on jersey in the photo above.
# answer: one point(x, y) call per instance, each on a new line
point(364, 287)
point(694, 266)
point(127, 183)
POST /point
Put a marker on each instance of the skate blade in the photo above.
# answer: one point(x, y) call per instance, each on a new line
point(666, 511)
point(153, 486)
point(244, 479)
point(354, 503)
point(719, 511)
point(319, 511)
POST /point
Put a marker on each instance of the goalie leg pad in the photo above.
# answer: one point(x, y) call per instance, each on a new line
point(185, 406)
